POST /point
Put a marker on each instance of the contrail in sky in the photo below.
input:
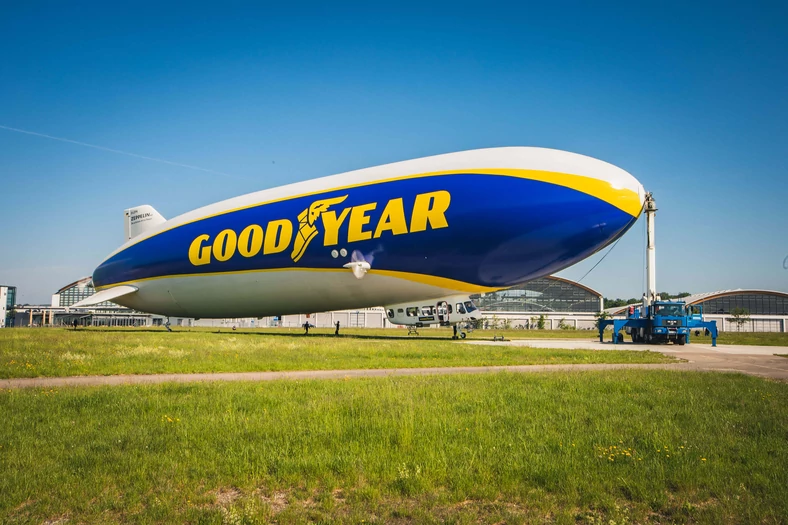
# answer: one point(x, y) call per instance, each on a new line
point(61, 139)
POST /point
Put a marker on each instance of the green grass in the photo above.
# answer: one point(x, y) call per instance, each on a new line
point(594, 447)
point(60, 352)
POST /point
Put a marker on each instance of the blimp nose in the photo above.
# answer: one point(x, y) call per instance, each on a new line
point(547, 224)
point(625, 191)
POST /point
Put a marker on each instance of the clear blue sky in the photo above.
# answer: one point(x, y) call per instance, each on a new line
point(692, 100)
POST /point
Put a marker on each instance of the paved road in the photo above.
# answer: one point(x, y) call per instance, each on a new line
point(754, 360)
point(50, 382)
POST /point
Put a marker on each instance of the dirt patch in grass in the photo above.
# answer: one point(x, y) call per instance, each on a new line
point(276, 501)
point(227, 496)
point(56, 521)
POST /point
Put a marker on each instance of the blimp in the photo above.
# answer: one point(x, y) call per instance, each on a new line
point(423, 233)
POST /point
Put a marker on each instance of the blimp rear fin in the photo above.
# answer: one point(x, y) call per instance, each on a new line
point(105, 295)
point(141, 219)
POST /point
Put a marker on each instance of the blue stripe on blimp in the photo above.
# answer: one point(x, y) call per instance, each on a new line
point(493, 231)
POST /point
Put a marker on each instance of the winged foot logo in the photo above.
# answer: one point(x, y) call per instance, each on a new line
point(307, 230)
point(428, 211)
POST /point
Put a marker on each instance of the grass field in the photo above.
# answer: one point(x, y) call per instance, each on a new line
point(60, 352)
point(594, 447)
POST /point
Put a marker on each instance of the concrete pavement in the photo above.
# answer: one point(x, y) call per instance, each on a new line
point(754, 360)
point(50, 382)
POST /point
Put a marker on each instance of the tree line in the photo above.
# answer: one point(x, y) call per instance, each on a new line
point(612, 303)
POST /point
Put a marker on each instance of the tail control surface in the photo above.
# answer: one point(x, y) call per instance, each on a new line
point(141, 219)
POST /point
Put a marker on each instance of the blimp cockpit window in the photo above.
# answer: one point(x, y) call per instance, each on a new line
point(469, 306)
point(412, 311)
point(390, 313)
point(460, 308)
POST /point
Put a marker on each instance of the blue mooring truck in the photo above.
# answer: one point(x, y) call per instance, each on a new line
point(660, 323)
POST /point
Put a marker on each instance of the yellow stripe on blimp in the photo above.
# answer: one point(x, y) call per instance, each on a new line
point(622, 198)
point(432, 280)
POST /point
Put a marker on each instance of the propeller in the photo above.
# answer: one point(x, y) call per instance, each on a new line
point(359, 264)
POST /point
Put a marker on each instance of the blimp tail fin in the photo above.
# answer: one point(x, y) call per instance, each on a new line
point(141, 219)
point(106, 295)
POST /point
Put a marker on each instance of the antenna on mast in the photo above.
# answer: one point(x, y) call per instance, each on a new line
point(651, 258)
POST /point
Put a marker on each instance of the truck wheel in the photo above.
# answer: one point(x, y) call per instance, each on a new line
point(680, 340)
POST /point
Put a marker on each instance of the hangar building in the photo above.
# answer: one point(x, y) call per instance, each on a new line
point(553, 302)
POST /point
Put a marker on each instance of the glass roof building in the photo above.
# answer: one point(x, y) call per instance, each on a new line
point(754, 302)
point(75, 292)
point(543, 295)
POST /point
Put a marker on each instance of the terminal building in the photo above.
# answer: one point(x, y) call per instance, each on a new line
point(61, 313)
point(7, 302)
point(74, 292)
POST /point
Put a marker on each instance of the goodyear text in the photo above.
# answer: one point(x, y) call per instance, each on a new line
point(429, 212)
